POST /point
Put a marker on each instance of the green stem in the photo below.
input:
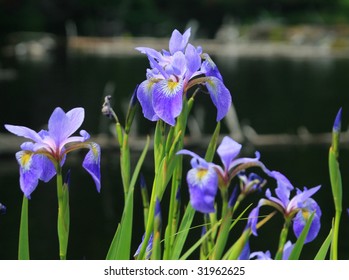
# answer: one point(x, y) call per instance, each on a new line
point(63, 216)
point(282, 240)
point(125, 164)
point(23, 245)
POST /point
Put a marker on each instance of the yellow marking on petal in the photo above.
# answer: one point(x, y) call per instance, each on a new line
point(201, 173)
point(94, 150)
point(25, 159)
point(305, 214)
point(149, 85)
point(172, 85)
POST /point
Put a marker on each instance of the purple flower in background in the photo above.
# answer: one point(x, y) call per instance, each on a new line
point(148, 249)
point(172, 73)
point(204, 177)
point(267, 256)
point(2, 208)
point(40, 159)
point(298, 208)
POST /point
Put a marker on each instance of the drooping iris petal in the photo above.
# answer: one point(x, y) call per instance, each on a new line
point(209, 68)
point(203, 186)
point(91, 164)
point(228, 150)
point(145, 97)
point(167, 100)
point(302, 216)
point(48, 169)
point(253, 219)
point(220, 96)
point(29, 171)
point(178, 41)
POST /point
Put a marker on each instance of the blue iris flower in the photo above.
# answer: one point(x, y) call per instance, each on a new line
point(298, 208)
point(40, 158)
point(205, 177)
point(172, 73)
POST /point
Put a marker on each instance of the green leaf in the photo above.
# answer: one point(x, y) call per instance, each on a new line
point(121, 245)
point(23, 246)
point(211, 149)
point(321, 254)
point(235, 251)
point(297, 249)
point(198, 243)
point(183, 232)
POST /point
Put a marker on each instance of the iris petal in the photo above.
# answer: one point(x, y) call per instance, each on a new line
point(203, 186)
point(178, 41)
point(193, 59)
point(228, 150)
point(167, 100)
point(30, 171)
point(24, 132)
point(220, 96)
point(92, 164)
point(302, 216)
point(209, 68)
point(61, 125)
point(145, 97)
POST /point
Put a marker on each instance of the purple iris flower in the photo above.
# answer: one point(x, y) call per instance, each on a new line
point(161, 94)
point(298, 208)
point(204, 177)
point(40, 159)
point(267, 256)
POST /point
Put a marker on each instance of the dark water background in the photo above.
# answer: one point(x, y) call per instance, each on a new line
point(274, 95)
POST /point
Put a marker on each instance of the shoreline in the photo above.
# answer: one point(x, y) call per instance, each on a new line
point(119, 46)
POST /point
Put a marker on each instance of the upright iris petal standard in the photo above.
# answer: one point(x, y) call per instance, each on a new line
point(40, 159)
point(172, 73)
